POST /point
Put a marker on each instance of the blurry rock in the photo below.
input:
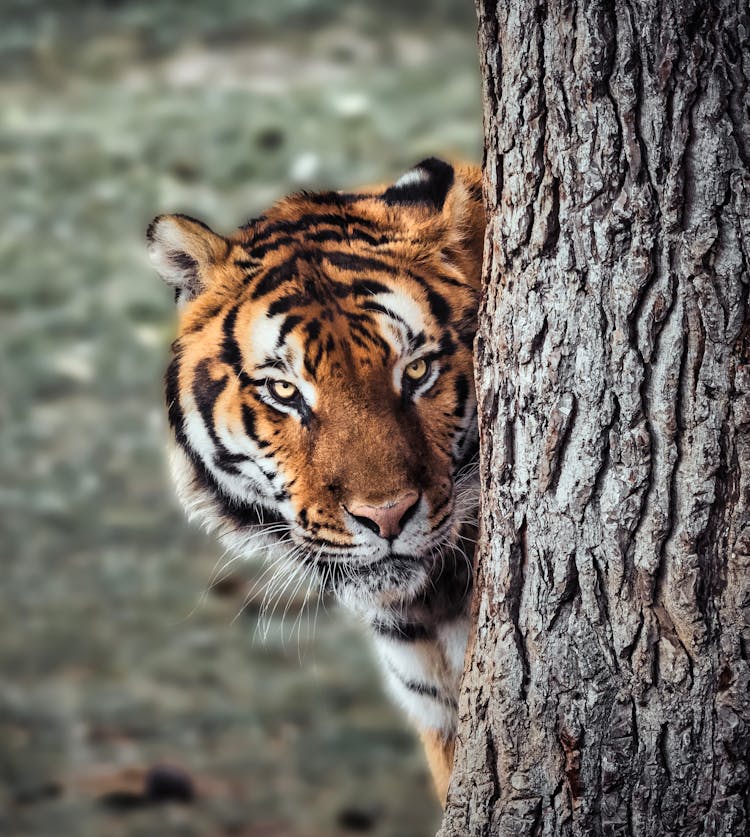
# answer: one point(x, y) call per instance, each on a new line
point(228, 585)
point(269, 139)
point(185, 170)
point(30, 794)
point(132, 786)
point(123, 800)
point(166, 783)
point(358, 819)
point(107, 782)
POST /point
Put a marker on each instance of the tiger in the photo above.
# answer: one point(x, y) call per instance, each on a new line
point(321, 396)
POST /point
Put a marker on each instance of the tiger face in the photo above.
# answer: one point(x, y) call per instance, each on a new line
point(321, 391)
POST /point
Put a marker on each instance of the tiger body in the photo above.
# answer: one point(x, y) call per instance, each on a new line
point(321, 399)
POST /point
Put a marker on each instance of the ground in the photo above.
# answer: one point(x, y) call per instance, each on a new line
point(114, 657)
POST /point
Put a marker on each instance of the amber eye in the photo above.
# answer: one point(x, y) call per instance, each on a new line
point(417, 370)
point(282, 390)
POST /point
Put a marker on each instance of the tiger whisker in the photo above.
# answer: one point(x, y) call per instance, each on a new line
point(304, 577)
point(293, 576)
point(277, 570)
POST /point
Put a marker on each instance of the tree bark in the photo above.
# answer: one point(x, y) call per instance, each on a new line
point(607, 681)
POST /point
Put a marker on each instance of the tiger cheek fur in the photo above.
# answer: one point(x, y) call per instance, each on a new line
point(321, 399)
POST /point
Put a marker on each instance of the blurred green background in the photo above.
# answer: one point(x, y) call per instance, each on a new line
point(115, 655)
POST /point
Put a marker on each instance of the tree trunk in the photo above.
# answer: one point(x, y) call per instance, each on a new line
point(606, 686)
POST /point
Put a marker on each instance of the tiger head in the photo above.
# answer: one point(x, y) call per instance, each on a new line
point(321, 392)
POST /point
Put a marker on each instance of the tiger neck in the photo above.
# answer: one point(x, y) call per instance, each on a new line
point(444, 599)
point(421, 648)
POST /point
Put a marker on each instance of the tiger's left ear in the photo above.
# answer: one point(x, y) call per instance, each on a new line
point(183, 250)
point(427, 184)
point(446, 203)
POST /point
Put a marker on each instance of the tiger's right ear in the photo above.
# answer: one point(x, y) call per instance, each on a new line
point(183, 250)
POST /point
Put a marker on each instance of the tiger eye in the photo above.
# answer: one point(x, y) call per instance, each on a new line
point(417, 370)
point(283, 390)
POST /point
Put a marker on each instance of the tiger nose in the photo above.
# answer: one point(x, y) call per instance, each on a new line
point(386, 519)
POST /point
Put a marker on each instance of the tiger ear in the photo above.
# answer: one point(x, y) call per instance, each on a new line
point(183, 249)
point(455, 217)
point(427, 184)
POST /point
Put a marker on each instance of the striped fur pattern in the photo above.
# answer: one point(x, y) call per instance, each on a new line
point(321, 384)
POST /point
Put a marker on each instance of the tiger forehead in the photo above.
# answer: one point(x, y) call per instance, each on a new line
point(371, 324)
point(328, 238)
point(323, 276)
point(325, 281)
point(324, 220)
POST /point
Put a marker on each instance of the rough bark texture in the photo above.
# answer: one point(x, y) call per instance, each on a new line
point(606, 689)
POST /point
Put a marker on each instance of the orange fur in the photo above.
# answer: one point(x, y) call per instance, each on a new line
point(295, 282)
point(439, 752)
point(352, 418)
